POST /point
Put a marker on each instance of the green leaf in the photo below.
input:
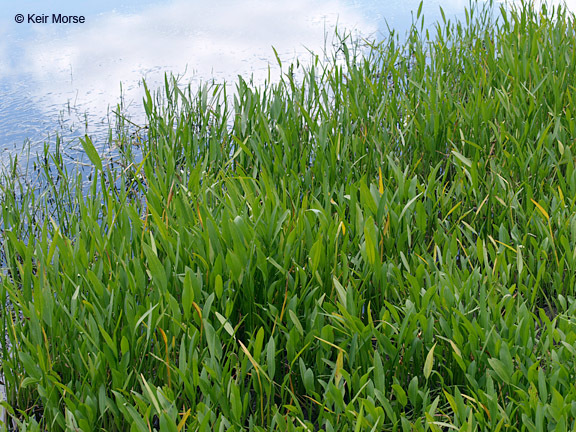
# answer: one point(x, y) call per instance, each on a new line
point(316, 254)
point(541, 209)
point(462, 158)
point(235, 265)
point(187, 294)
point(271, 357)
point(379, 378)
point(506, 359)
point(413, 391)
point(213, 341)
point(157, 271)
point(258, 342)
point(341, 292)
point(371, 239)
point(225, 323)
point(296, 321)
point(500, 369)
point(408, 204)
point(519, 260)
point(109, 341)
point(218, 286)
point(138, 421)
point(91, 152)
point(308, 380)
point(542, 385)
point(400, 394)
point(124, 345)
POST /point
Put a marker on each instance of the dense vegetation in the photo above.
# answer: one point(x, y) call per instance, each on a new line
point(384, 241)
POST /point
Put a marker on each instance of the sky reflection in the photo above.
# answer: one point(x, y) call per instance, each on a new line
point(45, 69)
point(46, 66)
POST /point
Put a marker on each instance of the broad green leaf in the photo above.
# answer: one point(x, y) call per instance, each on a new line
point(462, 158)
point(225, 323)
point(271, 357)
point(91, 152)
point(124, 345)
point(519, 260)
point(408, 204)
point(379, 378)
point(235, 265)
point(187, 294)
point(500, 369)
point(258, 343)
point(296, 321)
point(400, 394)
point(316, 254)
point(341, 292)
point(218, 286)
point(413, 391)
point(157, 271)
point(370, 239)
point(308, 380)
point(213, 341)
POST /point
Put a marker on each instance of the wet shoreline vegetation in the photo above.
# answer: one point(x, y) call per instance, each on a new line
point(382, 242)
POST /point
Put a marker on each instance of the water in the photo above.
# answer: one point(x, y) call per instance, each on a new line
point(66, 78)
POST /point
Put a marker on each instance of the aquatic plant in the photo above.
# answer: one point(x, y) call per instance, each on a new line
point(385, 241)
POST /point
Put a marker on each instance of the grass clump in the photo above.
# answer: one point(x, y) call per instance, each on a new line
point(384, 243)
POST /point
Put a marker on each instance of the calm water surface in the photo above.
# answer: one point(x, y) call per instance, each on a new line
point(67, 78)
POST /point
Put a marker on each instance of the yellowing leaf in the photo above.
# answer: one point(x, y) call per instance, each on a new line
point(429, 363)
point(380, 184)
point(254, 362)
point(453, 208)
point(455, 348)
point(329, 343)
point(184, 418)
point(339, 366)
point(386, 225)
point(541, 209)
point(342, 227)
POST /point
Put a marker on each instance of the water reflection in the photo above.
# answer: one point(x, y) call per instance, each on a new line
point(50, 66)
point(59, 77)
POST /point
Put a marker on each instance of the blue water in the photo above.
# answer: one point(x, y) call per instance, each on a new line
point(66, 78)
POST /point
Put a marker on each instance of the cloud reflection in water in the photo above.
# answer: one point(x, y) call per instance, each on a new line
point(84, 64)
